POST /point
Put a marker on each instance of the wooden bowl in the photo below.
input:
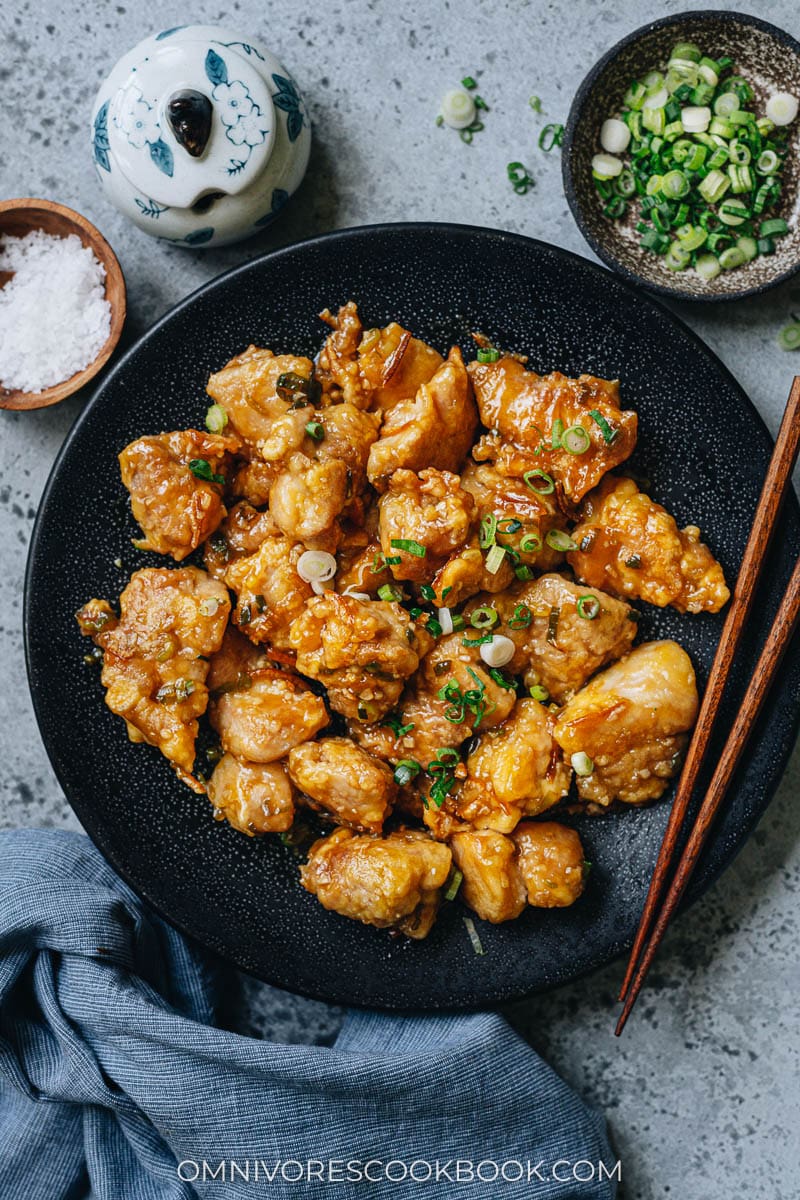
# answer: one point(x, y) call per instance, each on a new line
point(769, 59)
point(18, 217)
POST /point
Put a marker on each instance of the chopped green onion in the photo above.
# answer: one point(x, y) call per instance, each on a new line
point(609, 434)
point(767, 163)
point(530, 543)
point(773, 228)
point(216, 419)
point(707, 267)
point(732, 257)
point(519, 178)
point(484, 617)
point(389, 592)
point(488, 354)
point(588, 607)
point(469, 83)
point(409, 545)
point(789, 337)
point(555, 437)
point(315, 430)
point(540, 693)
point(521, 617)
point(406, 770)
point(551, 135)
point(576, 440)
point(557, 539)
point(582, 765)
point(494, 559)
point(523, 573)
point(552, 625)
point(427, 592)
point(487, 531)
point(201, 469)
point(535, 103)
point(453, 884)
point(539, 481)
point(473, 936)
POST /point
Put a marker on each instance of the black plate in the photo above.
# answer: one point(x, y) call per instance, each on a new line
point(702, 445)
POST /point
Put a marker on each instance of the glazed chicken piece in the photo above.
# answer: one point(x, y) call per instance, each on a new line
point(259, 713)
point(176, 508)
point(631, 720)
point(631, 546)
point(246, 388)
point(239, 536)
point(525, 407)
point(362, 651)
point(515, 770)
point(467, 573)
point(521, 518)
point(306, 499)
point(345, 782)
point(431, 510)
point(155, 656)
point(492, 884)
point(434, 429)
point(252, 482)
point(269, 591)
point(451, 696)
point(557, 647)
point(391, 882)
point(551, 862)
point(377, 368)
point(253, 797)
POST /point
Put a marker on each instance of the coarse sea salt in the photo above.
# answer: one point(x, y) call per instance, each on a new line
point(54, 317)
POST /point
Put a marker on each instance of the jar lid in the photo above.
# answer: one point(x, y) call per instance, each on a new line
point(190, 118)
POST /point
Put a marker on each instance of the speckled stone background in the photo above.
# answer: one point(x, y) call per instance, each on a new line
point(703, 1090)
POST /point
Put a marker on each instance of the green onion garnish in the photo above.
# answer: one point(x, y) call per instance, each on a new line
point(535, 103)
point(494, 559)
point(521, 617)
point(581, 764)
point(389, 592)
point(395, 722)
point(488, 354)
point(469, 83)
point(552, 624)
point(609, 434)
point(409, 545)
point(473, 936)
point(530, 543)
point(551, 135)
point(576, 440)
point(315, 430)
point(453, 884)
point(201, 469)
point(540, 693)
point(427, 592)
point(216, 419)
point(484, 617)
point(557, 539)
point(520, 179)
point(487, 531)
point(588, 607)
point(406, 770)
point(789, 337)
point(539, 481)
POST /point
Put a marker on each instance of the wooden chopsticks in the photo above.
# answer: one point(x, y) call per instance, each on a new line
point(653, 922)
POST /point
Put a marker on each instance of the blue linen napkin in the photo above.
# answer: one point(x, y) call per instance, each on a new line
point(114, 1079)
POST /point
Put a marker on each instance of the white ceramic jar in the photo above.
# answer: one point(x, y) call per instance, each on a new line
point(200, 136)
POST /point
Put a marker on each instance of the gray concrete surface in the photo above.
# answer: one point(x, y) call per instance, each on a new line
point(702, 1093)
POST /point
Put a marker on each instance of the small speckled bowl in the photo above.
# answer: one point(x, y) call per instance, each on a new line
point(770, 61)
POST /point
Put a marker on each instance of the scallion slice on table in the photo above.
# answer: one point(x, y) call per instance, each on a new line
point(688, 152)
point(789, 337)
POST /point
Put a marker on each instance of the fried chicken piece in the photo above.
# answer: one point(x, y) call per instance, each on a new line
point(259, 713)
point(631, 720)
point(239, 536)
point(466, 573)
point(434, 429)
point(551, 862)
point(246, 389)
point(492, 884)
point(373, 369)
point(524, 407)
point(558, 648)
point(155, 656)
point(269, 591)
point(430, 509)
point(521, 518)
point(176, 508)
point(631, 546)
point(515, 771)
point(394, 881)
point(253, 480)
point(253, 797)
point(306, 499)
point(344, 781)
point(363, 652)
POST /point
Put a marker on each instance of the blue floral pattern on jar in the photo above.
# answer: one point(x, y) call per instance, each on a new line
point(245, 124)
point(138, 120)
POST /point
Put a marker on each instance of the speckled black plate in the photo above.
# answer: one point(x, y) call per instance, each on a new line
point(769, 59)
point(702, 445)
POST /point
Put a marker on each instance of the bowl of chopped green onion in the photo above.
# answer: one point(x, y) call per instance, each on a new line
point(681, 156)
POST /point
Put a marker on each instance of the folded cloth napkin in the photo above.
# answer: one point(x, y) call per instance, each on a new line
point(115, 1083)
